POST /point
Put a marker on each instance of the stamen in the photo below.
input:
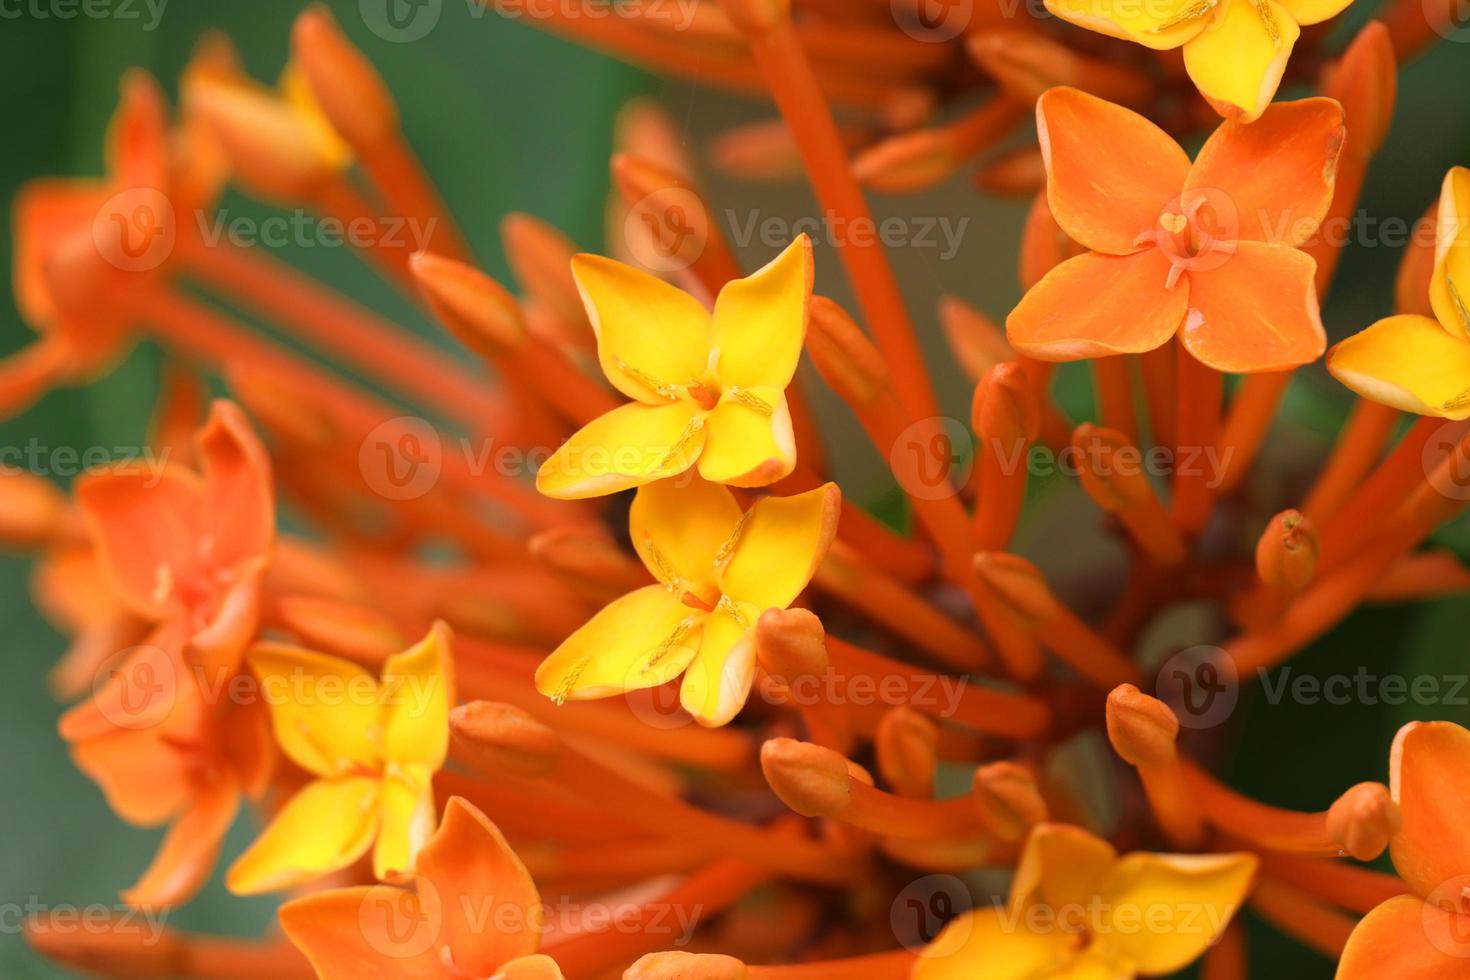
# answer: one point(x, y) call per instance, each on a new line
point(753, 402)
point(1273, 30)
point(1458, 301)
point(674, 639)
point(663, 569)
point(727, 550)
point(569, 682)
point(1194, 11)
point(727, 606)
point(654, 385)
point(681, 444)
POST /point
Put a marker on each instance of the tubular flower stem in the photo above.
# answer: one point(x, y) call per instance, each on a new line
point(794, 86)
point(497, 738)
point(925, 158)
point(1158, 368)
point(1336, 883)
point(339, 200)
point(1228, 958)
point(791, 647)
point(1201, 389)
point(1359, 446)
point(657, 199)
point(1359, 823)
point(1143, 731)
point(1007, 420)
point(123, 949)
point(1119, 487)
point(1427, 575)
point(1112, 386)
point(1246, 423)
point(710, 966)
point(1310, 922)
point(1391, 481)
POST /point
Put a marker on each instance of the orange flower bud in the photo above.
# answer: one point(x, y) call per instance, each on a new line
point(791, 643)
point(476, 309)
point(346, 86)
point(1005, 410)
point(1009, 799)
point(977, 343)
point(678, 965)
point(1142, 729)
point(31, 509)
point(1286, 554)
point(1015, 173)
point(541, 258)
point(503, 738)
point(1019, 584)
point(1363, 820)
point(343, 628)
point(844, 356)
point(907, 747)
point(810, 779)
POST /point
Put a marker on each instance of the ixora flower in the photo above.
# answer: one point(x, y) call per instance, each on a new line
point(1235, 50)
point(707, 389)
point(373, 747)
point(1412, 362)
point(1208, 251)
point(1424, 935)
point(1077, 909)
point(718, 570)
point(468, 878)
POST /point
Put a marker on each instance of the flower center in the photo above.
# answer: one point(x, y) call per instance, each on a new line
point(1196, 232)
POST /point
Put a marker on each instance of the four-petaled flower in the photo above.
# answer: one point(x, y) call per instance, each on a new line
point(1410, 362)
point(473, 912)
point(1235, 50)
point(708, 389)
point(718, 570)
point(373, 749)
point(1076, 909)
point(1208, 250)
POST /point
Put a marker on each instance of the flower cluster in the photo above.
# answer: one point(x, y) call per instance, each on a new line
point(743, 727)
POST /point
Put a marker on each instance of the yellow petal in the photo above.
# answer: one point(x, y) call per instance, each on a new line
point(628, 447)
point(1409, 363)
point(324, 709)
point(750, 442)
point(406, 812)
point(760, 321)
point(991, 944)
point(679, 528)
point(1164, 910)
point(1449, 289)
point(644, 639)
point(1156, 25)
point(780, 545)
point(417, 693)
point(323, 828)
point(718, 680)
point(1062, 867)
point(650, 336)
point(1306, 12)
point(1237, 61)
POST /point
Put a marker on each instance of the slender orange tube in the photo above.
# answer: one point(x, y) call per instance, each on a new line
point(1247, 422)
point(1310, 922)
point(1362, 440)
point(1200, 392)
point(1113, 390)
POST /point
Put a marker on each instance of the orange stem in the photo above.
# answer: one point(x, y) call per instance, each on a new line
point(1247, 422)
point(1113, 391)
point(1311, 923)
point(1200, 391)
point(1358, 448)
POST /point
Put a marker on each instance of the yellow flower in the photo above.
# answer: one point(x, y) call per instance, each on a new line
point(1078, 911)
point(373, 747)
point(718, 570)
point(708, 389)
point(1410, 362)
point(1235, 50)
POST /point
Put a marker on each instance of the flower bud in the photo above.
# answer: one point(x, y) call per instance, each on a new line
point(1363, 820)
point(503, 738)
point(810, 779)
point(1142, 729)
point(1010, 802)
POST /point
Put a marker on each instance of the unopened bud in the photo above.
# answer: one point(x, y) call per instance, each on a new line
point(1018, 583)
point(810, 779)
point(678, 965)
point(1109, 467)
point(908, 162)
point(756, 151)
point(791, 643)
point(31, 509)
point(907, 748)
point(1009, 800)
point(588, 553)
point(115, 948)
point(976, 341)
point(1005, 409)
point(1026, 64)
point(541, 258)
point(1363, 820)
point(844, 356)
point(476, 309)
point(503, 738)
point(1365, 80)
point(349, 90)
point(344, 628)
point(1015, 173)
point(1286, 554)
point(1142, 729)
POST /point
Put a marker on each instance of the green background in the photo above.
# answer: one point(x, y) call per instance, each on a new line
point(510, 119)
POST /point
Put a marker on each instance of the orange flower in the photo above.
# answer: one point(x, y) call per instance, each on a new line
point(474, 912)
point(1208, 250)
point(1423, 936)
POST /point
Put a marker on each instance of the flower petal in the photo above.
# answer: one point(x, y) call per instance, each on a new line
point(1109, 171)
point(1096, 305)
point(1404, 939)
point(779, 547)
point(760, 321)
point(1430, 779)
point(416, 693)
point(1277, 172)
point(750, 441)
point(368, 931)
point(1255, 312)
point(324, 710)
point(538, 967)
point(1409, 363)
point(718, 680)
point(649, 334)
point(1143, 23)
point(1449, 289)
point(406, 814)
point(1061, 867)
point(982, 943)
point(146, 781)
point(628, 447)
point(1183, 900)
point(644, 639)
point(1238, 60)
point(678, 528)
point(1306, 12)
point(472, 867)
point(323, 828)
point(186, 858)
point(237, 477)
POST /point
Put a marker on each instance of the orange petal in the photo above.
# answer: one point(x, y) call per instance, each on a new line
point(371, 931)
point(1430, 777)
point(138, 133)
point(237, 476)
point(191, 847)
point(1256, 312)
point(1277, 171)
point(1096, 305)
point(1109, 171)
point(1404, 939)
point(473, 869)
point(45, 211)
point(145, 781)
